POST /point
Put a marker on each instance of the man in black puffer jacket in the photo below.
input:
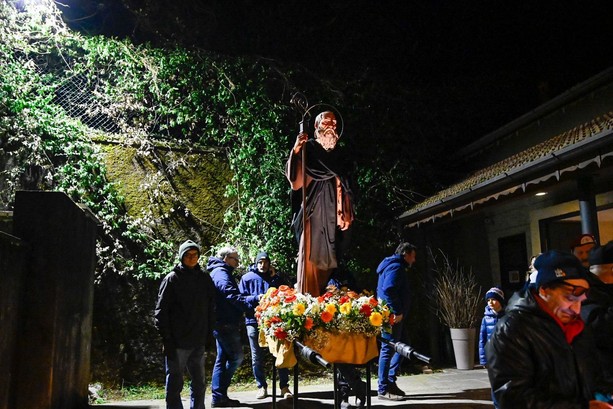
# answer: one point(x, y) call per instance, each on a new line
point(597, 310)
point(184, 316)
point(540, 354)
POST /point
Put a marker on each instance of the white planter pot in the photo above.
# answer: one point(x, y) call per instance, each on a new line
point(463, 340)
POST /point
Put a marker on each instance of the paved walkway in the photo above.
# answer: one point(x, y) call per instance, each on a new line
point(447, 389)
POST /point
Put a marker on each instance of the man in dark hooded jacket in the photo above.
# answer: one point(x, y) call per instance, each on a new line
point(541, 355)
point(597, 309)
point(393, 289)
point(184, 316)
point(258, 279)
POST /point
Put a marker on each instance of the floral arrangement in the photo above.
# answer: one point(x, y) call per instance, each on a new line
point(285, 314)
point(281, 313)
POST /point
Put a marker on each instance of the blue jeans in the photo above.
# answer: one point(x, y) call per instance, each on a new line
point(257, 360)
point(389, 360)
point(229, 358)
point(193, 359)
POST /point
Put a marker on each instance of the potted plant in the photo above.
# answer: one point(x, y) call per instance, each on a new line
point(457, 299)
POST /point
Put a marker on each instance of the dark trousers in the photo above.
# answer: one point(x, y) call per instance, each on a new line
point(193, 360)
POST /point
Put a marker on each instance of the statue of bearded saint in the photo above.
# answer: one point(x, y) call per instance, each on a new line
point(325, 130)
point(329, 204)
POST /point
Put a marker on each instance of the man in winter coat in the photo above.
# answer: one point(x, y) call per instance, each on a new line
point(597, 309)
point(230, 305)
point(540, 354)
point(260, 277)
point(393, 289)
point(184, 317)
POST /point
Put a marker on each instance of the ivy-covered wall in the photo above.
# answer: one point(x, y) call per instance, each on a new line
point(188, 203)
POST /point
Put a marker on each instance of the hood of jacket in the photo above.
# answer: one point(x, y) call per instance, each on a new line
point(388, 261)
point(215, 262)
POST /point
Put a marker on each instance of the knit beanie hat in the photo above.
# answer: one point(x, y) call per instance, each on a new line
point(186, 246)
point(495, 293)
point(262, 255)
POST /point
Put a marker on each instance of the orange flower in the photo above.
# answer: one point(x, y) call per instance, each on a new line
point(308, 323)
point(352, 294)
point(392, 319)
point(290, 298)
point(326, 316)
point(373, 301)
point(283, 288)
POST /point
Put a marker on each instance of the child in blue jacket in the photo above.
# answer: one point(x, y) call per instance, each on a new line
point(494, 309)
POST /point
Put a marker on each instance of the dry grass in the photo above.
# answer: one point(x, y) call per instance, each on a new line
point(457, 295)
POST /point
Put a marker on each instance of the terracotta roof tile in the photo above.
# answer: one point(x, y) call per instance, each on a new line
point(532, 154)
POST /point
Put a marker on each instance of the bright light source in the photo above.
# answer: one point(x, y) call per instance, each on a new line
point(540, 194)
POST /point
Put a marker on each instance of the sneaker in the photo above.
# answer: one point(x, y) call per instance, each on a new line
point(262, 393)
point(393, 388)
point(227, 403)
point(389, 396)
point(286, 394)
point(346, 405)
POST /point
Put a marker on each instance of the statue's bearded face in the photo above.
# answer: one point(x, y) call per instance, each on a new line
point(325, 132)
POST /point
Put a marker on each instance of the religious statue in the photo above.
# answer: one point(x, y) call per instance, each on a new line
point(315, 168)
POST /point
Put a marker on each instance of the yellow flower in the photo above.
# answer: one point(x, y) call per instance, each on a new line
point(298, 309)
point(346, 308)
point(386, 313)
point(376, 319)
point(331, 308)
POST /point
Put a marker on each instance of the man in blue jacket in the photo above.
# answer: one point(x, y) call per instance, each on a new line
point(230, 305)
point(393, 288)
point(184, 316)
point(260, 277)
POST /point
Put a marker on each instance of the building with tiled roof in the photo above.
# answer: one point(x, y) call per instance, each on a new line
point(535, 184)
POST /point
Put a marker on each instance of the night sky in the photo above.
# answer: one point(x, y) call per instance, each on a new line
point(487, 62)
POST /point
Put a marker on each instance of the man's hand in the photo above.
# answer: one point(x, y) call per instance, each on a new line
point(398, 318)
point(300, 141)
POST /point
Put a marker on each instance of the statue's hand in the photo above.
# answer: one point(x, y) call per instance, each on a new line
point(300, 141)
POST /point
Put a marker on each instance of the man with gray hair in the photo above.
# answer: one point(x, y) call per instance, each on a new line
point(231, 305)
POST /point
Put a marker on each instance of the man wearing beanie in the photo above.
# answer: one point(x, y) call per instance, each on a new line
point(597, 310)
point(258, 279)
point(184, 316)
point(540, 353)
